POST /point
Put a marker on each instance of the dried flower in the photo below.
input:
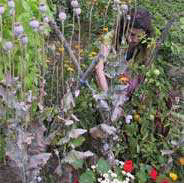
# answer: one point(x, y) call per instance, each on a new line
point(8, 46)
point(124, 8)
point(34, 24)
point(46, 19)
point(75, 4)
point(62, 16)
point(1, 9)
point(128, 166)
point(41, 27)
point(11, 4)
point(24, 39)
point(153, 174)
point(18, 29)
point(173, 176)
point(42, 8)
point(77, 11)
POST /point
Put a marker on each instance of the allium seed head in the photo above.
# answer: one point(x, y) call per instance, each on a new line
point(77, 11)
point(24, 39)
point(46, 19)
point(34, 24)
point(11, 4)
point(42, 7)
point(125, 8)
point(116, 1)
point(18, 29)
point(62, 16)
point(75, 4)
point(1, 9)
point(8, 46)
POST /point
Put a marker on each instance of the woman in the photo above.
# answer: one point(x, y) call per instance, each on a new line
point(126, 46)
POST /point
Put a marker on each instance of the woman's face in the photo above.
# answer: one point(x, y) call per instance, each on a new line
point(135, 36)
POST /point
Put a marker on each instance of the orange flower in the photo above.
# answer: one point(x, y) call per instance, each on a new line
point(181, 161)
point(124, 79)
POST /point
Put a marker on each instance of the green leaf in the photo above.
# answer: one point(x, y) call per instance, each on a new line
point(77, 142)
point(102, 166)
point(87, 177)
point(77, 163)
point(25, 5)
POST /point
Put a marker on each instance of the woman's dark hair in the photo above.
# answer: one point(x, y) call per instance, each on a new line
point(139, 18)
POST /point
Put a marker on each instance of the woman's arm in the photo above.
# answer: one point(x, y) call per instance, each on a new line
point(99, 69)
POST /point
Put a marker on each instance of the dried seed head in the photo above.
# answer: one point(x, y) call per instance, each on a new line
point(77, 11)
point(11, 4)
point(42, 7)
point(124, 8)
point(24, 39)
point(41, 27)
point(34, 24)
point(62, 16)
point(18, 29)
point(75, 4)
point(1, 9)
point(8, 46)
point(117, 1)
point(46, 19)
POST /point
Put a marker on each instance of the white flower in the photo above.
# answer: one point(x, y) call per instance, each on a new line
point(93, 166)
point(75, 4)
point(99, 179)
point(123, 172)
point(77, 11)
point(128, 17)
point(62, 16)
point(105, 175)
point(130, 175)
point(1, 9)
point(113, 174)
point(128, 119)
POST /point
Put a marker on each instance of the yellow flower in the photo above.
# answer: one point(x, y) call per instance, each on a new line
point(173, 176)
point(123, 79)
point(105, 29)
point(92, 54)
point(181, 161)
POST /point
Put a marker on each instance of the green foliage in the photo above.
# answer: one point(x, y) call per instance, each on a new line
point(102, 166)
point(87, 176)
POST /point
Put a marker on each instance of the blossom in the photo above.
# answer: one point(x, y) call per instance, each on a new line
point(46, 19)
point(8, 46)
point(105, 29)
point(75, 4)
point(18, 29)
point(34, 24)
point(173, 176)
point(153, 174)
point(128, 166)
point(62, 16)
point(24, 39)
point(77, 11)
point(128, 119)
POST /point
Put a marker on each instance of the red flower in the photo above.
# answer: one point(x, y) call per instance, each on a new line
point(75, 180)
point(153, 174)
point(128, 166)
